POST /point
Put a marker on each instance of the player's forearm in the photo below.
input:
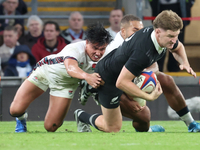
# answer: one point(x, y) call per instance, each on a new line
point(73, 69)
point(76, 72)
point(181, 56)
point(132, 90)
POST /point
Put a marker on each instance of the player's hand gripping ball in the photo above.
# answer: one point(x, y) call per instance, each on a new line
point(147, 83)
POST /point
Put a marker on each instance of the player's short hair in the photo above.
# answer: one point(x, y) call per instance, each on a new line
point(168, 20)
point(96, 33)
point(54, 23)
point(127, 18)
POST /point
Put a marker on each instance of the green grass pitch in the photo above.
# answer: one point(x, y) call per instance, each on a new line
point(175, 137)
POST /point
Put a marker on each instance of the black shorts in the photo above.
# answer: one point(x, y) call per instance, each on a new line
point(109, 94)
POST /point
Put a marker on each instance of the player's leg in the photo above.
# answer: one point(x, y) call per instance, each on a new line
point(110, 121)
point(141, 118)
point(176, 101)
point(57, 110)
point(27, 93)
point(171, 91)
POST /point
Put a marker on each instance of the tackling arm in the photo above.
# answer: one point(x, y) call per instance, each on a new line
point(74, 71)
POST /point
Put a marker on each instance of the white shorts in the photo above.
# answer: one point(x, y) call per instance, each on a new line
point(45, 80)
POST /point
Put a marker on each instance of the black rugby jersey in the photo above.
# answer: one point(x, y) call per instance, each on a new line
point(136, 53)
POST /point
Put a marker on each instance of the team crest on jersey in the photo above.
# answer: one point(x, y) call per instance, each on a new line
point(70, 92)
point(35, 78)
point(81, 65)
point(93, 66)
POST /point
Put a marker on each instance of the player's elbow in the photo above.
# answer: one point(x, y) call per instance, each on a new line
point(119, 84)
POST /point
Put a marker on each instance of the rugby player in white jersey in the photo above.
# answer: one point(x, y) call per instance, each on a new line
point(61, 73)
point(131, 109)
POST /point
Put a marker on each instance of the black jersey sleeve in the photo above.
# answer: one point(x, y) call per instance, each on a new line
point(137, 62)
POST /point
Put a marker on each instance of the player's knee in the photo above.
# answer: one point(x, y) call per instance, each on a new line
point(51, 127)
point(165, 80)
point(113, 128)
point(142, 122)
point(142, 126)
point(14, 112)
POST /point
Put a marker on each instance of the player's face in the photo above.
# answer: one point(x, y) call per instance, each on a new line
point(134, 27)
point(167, 38)
point(94, 51)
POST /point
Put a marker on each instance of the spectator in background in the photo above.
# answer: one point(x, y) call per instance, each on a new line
point(21, 62)
point(75, 30)
point(115, 19)
point(8, 7)
point(22, 7)
point(10, 37)
point(51, 43)
point(20, 30)
point(35, 26)
point(183, 9)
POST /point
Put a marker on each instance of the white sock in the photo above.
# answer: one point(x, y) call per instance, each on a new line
point(187, 118)
point(150, 130)
point(24, 116)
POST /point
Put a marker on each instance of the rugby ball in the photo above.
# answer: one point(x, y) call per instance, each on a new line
point(147, 83)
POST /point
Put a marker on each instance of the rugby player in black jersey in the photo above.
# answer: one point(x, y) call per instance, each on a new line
point(138, 52)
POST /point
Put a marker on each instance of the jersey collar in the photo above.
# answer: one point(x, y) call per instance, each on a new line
point(155, 42)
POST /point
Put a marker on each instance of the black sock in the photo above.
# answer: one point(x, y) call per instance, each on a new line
point(185, 115)
point(89, 119)
point(183, 111)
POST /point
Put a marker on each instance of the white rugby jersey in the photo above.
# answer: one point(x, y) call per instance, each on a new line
point(53, 68)
point(114, 44)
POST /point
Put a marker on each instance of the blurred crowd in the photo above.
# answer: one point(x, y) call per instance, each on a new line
point(20, 49)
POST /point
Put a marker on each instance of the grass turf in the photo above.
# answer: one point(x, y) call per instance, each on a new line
point(175, 137)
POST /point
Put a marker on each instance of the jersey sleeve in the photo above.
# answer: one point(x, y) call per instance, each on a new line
point(71, 52)
point(137, 62)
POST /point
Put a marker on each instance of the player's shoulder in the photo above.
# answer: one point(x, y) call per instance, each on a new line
point(146, 30)
point(78, 46)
